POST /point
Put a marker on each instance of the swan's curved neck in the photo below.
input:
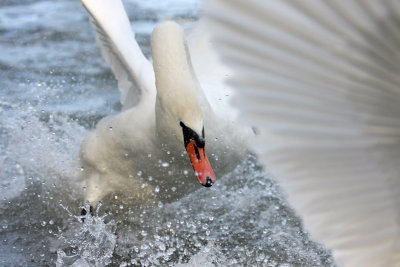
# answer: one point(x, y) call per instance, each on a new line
point(171, 59)
point(176, 83)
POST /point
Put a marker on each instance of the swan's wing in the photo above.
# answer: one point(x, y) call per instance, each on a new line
point(133, 71)
point(320, 80)
point(209, 69)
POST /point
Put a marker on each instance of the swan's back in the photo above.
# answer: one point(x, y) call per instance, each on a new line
point(320, 82)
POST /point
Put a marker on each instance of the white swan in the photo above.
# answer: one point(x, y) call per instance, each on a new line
point(320, 81)
point(141, 151)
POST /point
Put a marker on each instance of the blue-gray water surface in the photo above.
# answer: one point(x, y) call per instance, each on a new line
point(54, 87)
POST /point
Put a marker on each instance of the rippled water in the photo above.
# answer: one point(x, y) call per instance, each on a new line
point(54, 87)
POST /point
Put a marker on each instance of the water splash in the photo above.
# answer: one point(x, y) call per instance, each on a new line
point(243, 220)
point(90, 243)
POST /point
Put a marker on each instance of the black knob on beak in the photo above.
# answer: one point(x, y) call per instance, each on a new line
point(208, 183)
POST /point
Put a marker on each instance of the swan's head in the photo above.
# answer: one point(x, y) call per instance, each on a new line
point(195, 145)
point(178, 111)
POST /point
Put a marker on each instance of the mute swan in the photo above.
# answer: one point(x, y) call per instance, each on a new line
point(141, 151)
point(320, 81)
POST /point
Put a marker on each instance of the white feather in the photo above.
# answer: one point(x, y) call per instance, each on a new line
point(320, 81)
point(121, 51)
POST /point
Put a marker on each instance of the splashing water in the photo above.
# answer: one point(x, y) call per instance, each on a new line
point(90, 244)
point(243, 220)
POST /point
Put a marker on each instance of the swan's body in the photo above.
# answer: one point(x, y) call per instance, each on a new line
point(143, 147)
point(320, 81)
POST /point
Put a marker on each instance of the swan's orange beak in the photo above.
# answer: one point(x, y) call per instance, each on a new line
point(201, 165)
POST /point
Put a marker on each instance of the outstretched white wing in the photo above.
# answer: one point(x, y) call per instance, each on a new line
point(133, 71)
point(320, 81)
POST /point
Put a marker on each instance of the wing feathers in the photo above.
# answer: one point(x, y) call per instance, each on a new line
point(133, 71)
point(319, 80)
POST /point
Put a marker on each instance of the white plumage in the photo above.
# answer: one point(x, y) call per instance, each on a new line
point(320, 81)
point(143, 147)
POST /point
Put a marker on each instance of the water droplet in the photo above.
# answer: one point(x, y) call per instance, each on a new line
point(43, 223)
point(157, 189)
point(51, 222)
point(149, 155)
point(110, 128)
point(165, 164)
point(185, 172)
point(173, 189)
point(161, 246)
point(139, 173)
point(168, 152)
point(170, 251)
point(121, 207)
point(115, 197)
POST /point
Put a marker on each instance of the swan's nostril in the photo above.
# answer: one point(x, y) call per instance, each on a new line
point(209, 182)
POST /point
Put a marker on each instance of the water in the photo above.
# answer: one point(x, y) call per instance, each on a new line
point(54, 88)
